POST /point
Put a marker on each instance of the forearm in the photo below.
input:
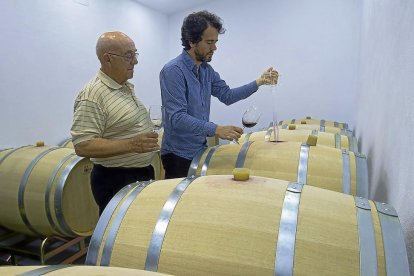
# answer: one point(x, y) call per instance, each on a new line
point(230, 96)
point(102, 148)
point(182, 121)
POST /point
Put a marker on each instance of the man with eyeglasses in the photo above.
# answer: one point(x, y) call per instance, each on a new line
point(187, 84)
point(110, 125)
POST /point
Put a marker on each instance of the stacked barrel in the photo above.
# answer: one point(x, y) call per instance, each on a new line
point(302, 211)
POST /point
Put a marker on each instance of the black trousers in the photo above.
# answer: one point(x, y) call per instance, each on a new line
point(175, 166)
point(106, 182)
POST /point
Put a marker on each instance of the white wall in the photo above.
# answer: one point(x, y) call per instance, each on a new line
point(48, 54)
point(385, 120)
point(314, 45)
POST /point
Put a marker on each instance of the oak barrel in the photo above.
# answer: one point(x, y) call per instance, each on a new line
point(330, 129)
point(155, 163)
point(67, 143)
point(214, 225)
point(312, 121)
point(335, 140)
point(68, 270)
point(324, 167)
point(46, 191)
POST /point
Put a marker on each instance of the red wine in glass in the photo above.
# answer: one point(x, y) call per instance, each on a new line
point(249, 124)
point(250, 118)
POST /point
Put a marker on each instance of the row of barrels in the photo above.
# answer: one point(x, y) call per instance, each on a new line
point(312, 152)
point(278, 222)
point(302, 211)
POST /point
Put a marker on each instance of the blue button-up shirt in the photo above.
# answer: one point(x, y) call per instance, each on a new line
point(186, 91)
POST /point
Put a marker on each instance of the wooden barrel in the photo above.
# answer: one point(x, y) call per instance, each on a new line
point(312, 121)
point(215, 225)
point(324, 167)
point(69, 270)
point(67, 143)
point(330, 129)
point(156, 161)
point(335, 140)
point(46, 191)
point(4, 152)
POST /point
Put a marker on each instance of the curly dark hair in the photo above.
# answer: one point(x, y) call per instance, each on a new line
point(195, 24)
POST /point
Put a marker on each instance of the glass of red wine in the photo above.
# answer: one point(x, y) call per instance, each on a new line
point(250, 118)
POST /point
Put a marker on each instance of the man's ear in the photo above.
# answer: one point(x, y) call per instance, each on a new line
point(192, 45)
point(106, 57)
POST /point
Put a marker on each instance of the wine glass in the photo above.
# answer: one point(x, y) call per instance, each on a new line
point(156, 115)
point(250, 118)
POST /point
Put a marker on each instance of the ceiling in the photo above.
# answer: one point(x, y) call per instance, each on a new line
point(172, 6)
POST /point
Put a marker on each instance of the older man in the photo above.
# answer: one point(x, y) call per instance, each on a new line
point(110, 125)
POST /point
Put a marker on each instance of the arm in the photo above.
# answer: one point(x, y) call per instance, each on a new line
point(229, 96)
point(173, 93)
point(87, 131)
point(101, 148)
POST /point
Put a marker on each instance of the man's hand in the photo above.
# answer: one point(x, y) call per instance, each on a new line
point(144, 142)
point(229, 132)
point(270, 76)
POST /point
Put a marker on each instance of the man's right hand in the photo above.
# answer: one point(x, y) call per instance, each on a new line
point(144, 142)
point(229, 132)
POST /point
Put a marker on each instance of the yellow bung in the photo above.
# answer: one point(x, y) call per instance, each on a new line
point(292, 127)
point(312, 140)
point(241, 174)
point(40, 144)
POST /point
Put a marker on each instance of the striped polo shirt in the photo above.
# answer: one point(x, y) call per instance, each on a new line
point(106, 109)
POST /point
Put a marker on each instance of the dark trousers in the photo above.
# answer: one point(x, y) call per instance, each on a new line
point(175, 166)
point(106, 182)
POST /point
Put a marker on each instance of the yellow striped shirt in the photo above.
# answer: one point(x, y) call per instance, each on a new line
point(106, 109)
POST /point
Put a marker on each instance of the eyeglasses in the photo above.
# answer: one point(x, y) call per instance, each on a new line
point(127, 57)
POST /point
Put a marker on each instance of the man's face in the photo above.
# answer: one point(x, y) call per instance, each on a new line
point(204, 50)
point(123, 61)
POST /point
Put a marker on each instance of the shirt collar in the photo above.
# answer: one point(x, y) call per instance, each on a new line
point(111, 83)
point(190, 63)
